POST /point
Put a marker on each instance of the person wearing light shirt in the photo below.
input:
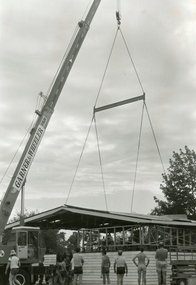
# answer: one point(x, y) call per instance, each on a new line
point(77, 262)
point(13, 264)
point(120, 267)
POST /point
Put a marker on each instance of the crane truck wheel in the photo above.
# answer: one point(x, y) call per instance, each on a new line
point(23, 277)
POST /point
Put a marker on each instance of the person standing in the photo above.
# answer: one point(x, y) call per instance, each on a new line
point(105, 267)
point(161, 263)
point(67, 266)
point(13, 264)
point(120, 267)
point(142, 265)
point(77, 262)
point(41, 276)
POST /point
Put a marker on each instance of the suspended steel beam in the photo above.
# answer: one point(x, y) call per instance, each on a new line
point(113, 105)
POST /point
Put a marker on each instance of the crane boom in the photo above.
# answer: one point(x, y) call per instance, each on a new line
point(43, 119)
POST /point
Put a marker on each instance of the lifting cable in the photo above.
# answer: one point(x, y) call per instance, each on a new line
point(23, 139)
point(155, 138)
point(132, 61)
point(100, 161)
point(93, 119)
point(137, 159)
point(118, 18)
point(13, 157)
point(79, 161)
point(106, 67)
point(80, 158)
point(142, 97)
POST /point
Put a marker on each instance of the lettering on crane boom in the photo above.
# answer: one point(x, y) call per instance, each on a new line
point(25, 165)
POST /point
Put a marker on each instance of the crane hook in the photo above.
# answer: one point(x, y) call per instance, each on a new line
point(118, 15)
point(118, 18)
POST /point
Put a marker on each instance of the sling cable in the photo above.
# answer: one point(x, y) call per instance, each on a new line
point(103, 108)
point(123, 102)
point(114, 105)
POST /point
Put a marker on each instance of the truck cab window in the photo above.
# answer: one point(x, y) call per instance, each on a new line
point(22, 238)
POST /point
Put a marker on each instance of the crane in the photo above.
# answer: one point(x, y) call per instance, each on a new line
point(35, 138)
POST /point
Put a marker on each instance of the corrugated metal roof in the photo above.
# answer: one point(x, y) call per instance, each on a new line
point(71, 217)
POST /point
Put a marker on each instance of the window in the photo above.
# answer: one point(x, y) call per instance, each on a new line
point(22, 238)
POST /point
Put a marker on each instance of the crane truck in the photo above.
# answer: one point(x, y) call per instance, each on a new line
point(28, 241)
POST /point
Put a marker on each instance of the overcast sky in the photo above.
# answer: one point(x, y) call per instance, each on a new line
point(160, 37)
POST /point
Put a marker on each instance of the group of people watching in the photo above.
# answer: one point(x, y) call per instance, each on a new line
point(141, 261)
point(72, 266)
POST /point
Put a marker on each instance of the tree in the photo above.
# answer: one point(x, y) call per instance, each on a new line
point(50, 238)
point(179, 186)
point(72, 241)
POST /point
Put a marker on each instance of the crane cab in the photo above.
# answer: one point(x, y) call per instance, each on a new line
point(28, 243)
